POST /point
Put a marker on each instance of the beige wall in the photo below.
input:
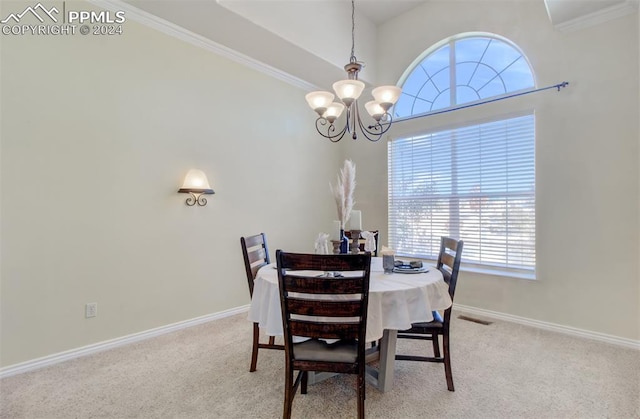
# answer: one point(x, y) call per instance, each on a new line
point(97, 135)
point(587, 166)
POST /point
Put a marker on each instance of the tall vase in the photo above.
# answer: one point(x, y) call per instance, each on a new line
point(344, 242)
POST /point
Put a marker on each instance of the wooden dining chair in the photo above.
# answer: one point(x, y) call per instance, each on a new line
point(307, 312)
point(448, 264)
point(361, 243)
point(256, 255)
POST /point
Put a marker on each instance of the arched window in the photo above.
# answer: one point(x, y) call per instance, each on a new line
point(463, 70)
point(474, 182)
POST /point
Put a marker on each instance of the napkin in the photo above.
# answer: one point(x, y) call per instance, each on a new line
point(370, 241)
point(322, 244)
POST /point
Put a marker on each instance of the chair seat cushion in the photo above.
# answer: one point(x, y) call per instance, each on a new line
point(317, 350)
point(425, 327)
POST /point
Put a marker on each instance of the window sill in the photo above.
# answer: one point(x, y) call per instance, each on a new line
point(530, 276)
point(507, 273)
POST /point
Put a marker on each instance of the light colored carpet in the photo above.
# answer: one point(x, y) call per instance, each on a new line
point(500, 371)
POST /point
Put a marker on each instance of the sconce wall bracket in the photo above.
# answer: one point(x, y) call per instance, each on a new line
point(196, 196)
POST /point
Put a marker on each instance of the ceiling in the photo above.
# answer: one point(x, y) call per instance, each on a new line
point(560, 11)
point(287, 36)
point(380, 11)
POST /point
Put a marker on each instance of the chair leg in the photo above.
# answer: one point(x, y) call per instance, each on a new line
point(436, 345)
point(447, 362)
point(272, 340)
point(288, 393)
point(361, 396)
point(305, 381)
point(254, 350)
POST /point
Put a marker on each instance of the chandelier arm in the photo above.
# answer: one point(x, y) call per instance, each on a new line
point(354, 118)
point(376, 131)
point(369, 135)
point(382, 126)
point(379, 127)
point(330, 128)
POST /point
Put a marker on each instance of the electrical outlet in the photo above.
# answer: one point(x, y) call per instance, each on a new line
point(91, 310)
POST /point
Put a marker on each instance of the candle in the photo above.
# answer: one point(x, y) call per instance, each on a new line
point(335, 231)
point(355, 222)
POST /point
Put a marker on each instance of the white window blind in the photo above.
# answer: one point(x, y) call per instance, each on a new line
point(475, 183)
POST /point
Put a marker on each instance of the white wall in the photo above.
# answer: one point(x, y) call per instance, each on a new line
point(587, 160)
point(97, 134)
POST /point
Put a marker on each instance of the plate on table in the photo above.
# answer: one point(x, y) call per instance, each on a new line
point(406, 269)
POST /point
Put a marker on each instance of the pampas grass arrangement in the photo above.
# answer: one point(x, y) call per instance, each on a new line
point(343, 192)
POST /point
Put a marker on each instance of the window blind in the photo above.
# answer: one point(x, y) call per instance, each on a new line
point(475, 183)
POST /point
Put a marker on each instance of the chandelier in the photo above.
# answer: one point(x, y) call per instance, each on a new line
point(348, 92)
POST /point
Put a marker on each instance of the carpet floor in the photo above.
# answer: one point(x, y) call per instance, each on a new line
point(501, 370)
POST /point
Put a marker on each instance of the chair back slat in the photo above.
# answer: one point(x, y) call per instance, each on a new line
point(450, 243)
point(253, 241)
point(257, 255)
point(324, 308)
point(324, 285)
point(448, 260)
point(322, 263)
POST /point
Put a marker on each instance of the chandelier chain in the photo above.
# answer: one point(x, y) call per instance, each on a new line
point(353, 31)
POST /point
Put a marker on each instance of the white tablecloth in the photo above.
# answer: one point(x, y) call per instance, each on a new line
point(395, 301)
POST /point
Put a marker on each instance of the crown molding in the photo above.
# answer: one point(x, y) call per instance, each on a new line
point(178, 32)
point(601, 16)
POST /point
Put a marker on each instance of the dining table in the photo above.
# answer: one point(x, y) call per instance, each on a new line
point(396, 300)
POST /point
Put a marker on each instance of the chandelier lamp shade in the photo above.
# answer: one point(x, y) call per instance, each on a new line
point(348, 91)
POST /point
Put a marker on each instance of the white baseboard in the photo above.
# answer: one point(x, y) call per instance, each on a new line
point(567, 330)
point(114, 343)
point(125, 340)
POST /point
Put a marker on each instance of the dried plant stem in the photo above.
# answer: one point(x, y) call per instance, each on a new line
point(343, 192)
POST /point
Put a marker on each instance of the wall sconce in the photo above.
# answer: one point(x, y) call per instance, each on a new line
point(196, 184)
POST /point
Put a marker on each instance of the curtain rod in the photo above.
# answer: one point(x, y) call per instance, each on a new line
point(556, 86)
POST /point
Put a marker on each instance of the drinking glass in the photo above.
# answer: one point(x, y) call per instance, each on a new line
point(387, 263)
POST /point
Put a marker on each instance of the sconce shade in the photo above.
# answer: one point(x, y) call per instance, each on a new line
point(196, 181)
